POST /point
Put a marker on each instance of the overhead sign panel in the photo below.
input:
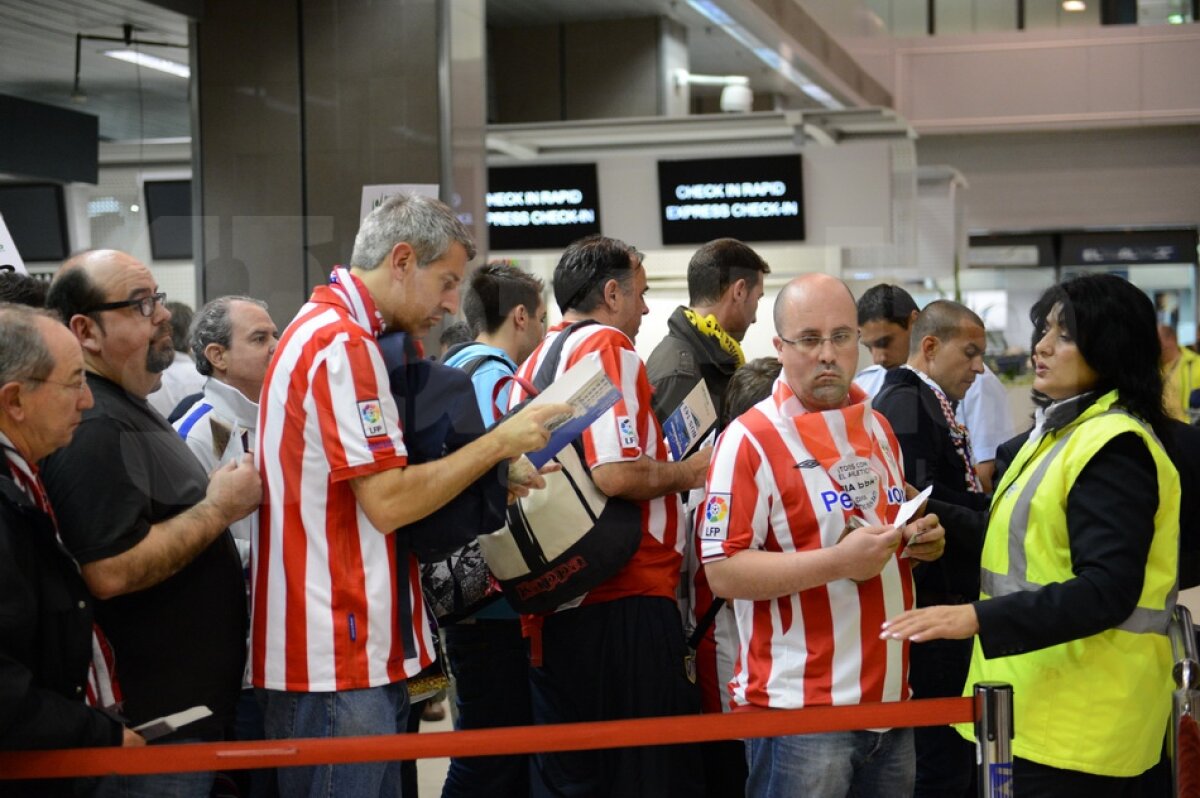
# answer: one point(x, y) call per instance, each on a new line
point(541, 207)
point(751, 199)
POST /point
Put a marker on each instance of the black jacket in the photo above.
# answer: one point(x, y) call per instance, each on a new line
point(930, 458)
point(682, 359)
point(45, 641)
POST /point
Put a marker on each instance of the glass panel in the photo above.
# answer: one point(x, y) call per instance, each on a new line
point(910, 17)
point(1171, 286)
point(953, 17)
point(995, 15)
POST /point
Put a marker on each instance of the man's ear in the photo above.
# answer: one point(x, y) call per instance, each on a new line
point(402, 259)
point(215, 354)
point(740, 289)
point(929, 346)
point(86, 329)
point(10, 401)
point(612, 291)
point(520, 317)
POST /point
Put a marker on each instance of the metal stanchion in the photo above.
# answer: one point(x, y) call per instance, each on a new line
point(994, 733)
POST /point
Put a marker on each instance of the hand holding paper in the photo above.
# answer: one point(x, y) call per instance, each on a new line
point(582, 393)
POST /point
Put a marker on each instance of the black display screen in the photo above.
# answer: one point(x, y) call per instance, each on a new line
point(541, 207)
point(36, 220)
point(169, 214)
point(751, 199)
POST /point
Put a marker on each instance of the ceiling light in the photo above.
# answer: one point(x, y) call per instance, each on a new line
point(151, 62)
point(1074, 5)
point(685, 78)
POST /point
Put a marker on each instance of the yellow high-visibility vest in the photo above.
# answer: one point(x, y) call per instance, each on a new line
point(1099, 704)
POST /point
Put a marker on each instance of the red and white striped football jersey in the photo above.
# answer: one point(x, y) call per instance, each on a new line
point(625, 432)
point(331, 607)
point(783, 479)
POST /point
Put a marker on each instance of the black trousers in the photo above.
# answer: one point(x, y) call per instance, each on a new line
point(620, 659)
point(945, 761)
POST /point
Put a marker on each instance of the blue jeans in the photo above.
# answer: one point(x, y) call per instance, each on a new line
point(157, 785)
point(345, 713)
point(854, 763)
point(491, 676)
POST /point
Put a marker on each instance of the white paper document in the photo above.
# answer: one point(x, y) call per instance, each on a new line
point(160, 727)
point(690, 422)
point(590, 393)
point(909, 509)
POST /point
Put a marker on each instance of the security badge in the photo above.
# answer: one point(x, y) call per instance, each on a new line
point(857, 479)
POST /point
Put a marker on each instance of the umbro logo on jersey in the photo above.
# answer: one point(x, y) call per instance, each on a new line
point(808, 464)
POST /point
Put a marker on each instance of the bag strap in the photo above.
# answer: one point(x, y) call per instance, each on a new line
point(545, 373)
point(706, 621)
point(474, 364)
point(501, 383)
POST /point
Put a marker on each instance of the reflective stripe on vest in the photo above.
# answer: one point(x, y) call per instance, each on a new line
point(1141, 621)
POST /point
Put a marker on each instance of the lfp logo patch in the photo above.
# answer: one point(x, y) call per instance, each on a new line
point(370, 413)
point(629, 439)
point(716, 517)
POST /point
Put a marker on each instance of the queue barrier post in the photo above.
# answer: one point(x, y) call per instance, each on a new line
point(994, 733)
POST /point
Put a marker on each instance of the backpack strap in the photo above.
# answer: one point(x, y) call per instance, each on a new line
point(545, 374)
point(706, 621)
point(499, 387)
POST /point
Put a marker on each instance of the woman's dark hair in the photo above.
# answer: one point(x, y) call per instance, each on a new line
point(1114, 325)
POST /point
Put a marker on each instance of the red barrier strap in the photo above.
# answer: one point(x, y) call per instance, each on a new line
point(483, 742)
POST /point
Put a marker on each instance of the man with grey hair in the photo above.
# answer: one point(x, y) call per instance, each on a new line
point(232, 339)
point(46, 624)
point(338, 623)
point(145, 521)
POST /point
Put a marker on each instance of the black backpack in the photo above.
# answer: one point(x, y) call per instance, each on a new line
point(439, 415)
point(567, 539)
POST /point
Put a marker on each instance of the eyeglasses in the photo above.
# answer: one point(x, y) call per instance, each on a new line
point(842, 339)
point(145, 305)
point(78, 387)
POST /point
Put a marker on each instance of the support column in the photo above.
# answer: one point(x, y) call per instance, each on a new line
point(297, 104)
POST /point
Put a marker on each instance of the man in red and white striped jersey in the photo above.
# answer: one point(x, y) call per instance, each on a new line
point(338, 622)
point(619, 651)
point(788, 484)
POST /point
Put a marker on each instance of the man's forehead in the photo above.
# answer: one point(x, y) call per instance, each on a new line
point(878, 328)
point(971, 333)
point(248, 314)
point(123, 276)
point(814, 317)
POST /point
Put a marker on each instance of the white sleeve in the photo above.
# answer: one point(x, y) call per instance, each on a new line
point(985, 413)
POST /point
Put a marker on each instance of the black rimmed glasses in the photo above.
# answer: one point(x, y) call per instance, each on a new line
point(840, 339)
point(145, 305)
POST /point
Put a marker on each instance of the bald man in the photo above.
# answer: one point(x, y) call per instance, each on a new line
point(799, 502)
point(144, 521)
